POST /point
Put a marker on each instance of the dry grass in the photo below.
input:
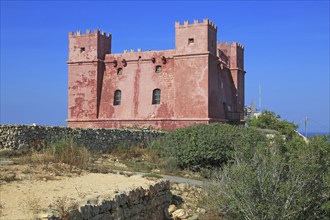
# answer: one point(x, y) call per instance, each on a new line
point(59, 152)
point(8, 177)
point(151, 156)
point(65, 207)
point(33, 204)
point(45, 177)
point(126, 151)
point(2, 206)
point(36, 158)
point(67, 152)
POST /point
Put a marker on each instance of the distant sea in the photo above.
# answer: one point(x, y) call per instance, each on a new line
point(311, 134)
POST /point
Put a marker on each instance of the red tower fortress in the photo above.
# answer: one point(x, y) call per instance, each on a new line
point(200, 81)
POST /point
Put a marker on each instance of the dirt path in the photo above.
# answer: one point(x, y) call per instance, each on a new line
point(177, 179)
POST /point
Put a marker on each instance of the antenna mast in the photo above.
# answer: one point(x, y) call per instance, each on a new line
point(259, 97)
point(306, 122)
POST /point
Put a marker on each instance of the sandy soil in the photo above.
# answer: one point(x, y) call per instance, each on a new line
point(27, 199)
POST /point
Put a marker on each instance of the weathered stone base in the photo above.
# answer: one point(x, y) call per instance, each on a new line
point(167, 124)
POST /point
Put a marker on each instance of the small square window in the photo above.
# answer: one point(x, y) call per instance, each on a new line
point(158, 69)
point(82, 49)
point(190, 40)
point(119, 71)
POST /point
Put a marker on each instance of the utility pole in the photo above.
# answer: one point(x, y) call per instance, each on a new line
point(306, 122)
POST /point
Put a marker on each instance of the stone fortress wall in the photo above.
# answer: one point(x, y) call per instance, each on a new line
point(26, 137)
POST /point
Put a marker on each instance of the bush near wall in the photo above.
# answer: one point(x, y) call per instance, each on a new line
point(270, 120)
point(280, 180)
point(205, 146)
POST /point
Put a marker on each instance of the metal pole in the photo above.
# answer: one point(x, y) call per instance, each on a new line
point(259, 97)
point(306, 122)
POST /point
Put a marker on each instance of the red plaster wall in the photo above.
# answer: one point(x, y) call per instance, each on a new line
point(215, 89)
point(183, 83)
point(82, 91)
point(222, 91)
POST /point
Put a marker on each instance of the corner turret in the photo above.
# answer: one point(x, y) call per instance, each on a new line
point(199, 37)
point(235, 53)
point(86, 68)
point(88, 47)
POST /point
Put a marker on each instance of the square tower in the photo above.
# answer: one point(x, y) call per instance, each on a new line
point(86, 67)
point(196, 38)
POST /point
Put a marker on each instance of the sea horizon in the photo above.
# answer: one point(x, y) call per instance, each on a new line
point(314, 133)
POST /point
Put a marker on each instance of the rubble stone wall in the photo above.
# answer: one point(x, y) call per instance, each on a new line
point(151, 203)
point(26, 137)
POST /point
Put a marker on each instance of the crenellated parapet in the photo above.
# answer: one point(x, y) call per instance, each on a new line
point(234, 52)
point(196, 22)
point(228, 44)
point(89, 32)
point(238, 45)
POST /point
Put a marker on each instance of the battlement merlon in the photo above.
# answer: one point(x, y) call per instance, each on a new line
point(205, 21)
point(89, 32)
point(238, 45)
point(228, 44)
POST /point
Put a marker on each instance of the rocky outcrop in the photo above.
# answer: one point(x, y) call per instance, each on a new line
point(26, 137)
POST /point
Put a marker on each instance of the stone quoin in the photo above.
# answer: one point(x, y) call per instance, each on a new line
point(198, 82)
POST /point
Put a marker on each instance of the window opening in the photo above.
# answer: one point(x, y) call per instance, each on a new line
point(158, 69)
point(190, 40)
point(156, 97)
point(117, 98)
point(119, 71)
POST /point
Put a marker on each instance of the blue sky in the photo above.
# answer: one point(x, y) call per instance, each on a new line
point(286, 50)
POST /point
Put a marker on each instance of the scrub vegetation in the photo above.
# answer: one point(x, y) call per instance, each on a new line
point(254, 175)
point(262, 171)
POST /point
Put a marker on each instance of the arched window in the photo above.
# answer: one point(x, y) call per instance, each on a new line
point(156, 96)
point(117, 97)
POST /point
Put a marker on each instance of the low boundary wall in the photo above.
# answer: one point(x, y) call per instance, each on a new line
point(26, 137)
point(151, 203)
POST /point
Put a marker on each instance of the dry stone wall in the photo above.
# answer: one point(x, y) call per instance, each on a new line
point(151, 203)
point(26, 137)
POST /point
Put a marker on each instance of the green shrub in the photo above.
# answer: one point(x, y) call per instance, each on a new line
point(7, 153)
point(205, 146)
point(280, 181)
point(152, 175)
point(270, 120)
